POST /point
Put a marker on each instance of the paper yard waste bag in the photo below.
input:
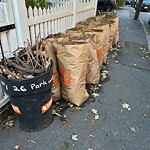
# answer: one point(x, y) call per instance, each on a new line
point(48, 50)
point(105, 38)
point(112, 21)
point(96, 18)
point(94, 64)
point(59, 36)
point(73, 60)
point(114, 27)
point(96, 54)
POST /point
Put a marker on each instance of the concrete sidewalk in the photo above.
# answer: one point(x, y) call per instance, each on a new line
point(117, 128)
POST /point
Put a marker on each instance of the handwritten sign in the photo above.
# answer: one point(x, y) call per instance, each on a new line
point(23, 88)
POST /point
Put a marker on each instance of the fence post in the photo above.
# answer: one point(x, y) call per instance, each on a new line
point(96, 1)
point(74, 2)
point(20, 17)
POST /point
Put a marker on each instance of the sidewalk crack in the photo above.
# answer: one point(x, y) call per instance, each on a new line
point(135, 67)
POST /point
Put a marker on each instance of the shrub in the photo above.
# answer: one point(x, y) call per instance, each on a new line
point(120, 3)
point(37, 3)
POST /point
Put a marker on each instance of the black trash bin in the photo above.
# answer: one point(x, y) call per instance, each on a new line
point(31, 100)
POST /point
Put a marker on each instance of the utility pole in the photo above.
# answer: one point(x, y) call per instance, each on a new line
point(138, 8)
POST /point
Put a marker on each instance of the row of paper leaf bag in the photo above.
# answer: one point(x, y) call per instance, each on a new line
point(78, 56)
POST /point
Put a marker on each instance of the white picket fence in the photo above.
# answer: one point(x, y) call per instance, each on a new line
point(33, 23)
point(6, 18)
point(59, 17)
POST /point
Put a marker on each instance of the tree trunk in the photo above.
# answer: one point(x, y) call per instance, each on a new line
point(138, 8)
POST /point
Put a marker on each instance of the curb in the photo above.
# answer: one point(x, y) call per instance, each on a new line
point(146, 33)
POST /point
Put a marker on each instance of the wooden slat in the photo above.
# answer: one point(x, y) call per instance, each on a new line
point(41, 32)
point(49, 17)
point(45, 27)
point(31, 28)
point(37, 27)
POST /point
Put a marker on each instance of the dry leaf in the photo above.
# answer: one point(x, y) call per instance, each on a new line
point(32, 141)
point(78, 108)
point(126, 106)
point(55, 113)
point(96, 117)
point(64, 120)
point(94, 111)
point(94, 122)
point(99, 85)
point(132, 129)
point(91, 135)
point(95, 94)
point(17, 147)
point(65, 145)
point(11, 123)
point(74, 137)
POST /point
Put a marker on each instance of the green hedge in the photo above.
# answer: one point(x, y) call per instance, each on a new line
point(37, 3)
point(120, 3)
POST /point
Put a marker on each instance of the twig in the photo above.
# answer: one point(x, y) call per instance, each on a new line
point(35, 71)
point(7, 72)
point(37, 47)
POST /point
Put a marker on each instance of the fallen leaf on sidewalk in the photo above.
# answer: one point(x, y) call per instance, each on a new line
point(70, 105)
point(91, 135)
point(64, 120)
point(74, 109)
point(78, 108)
point(65, 145)
point(96, 117)
point(11, 123)
point(17, 147)
point(94, 111)
point(94, 122)
point(32, 141)
point(99, 85)
point(104, 74)
point(74, 137)
point(95, 94)
point(55, 113)
point(132, 129)
point(126, 106)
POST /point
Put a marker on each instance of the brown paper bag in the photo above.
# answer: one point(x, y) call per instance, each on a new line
point(94, 62)
point(113, 21)
point(96, 18)
point(96, 54)
point(49, 52)
point(72, 60)
point(104, 38)
point(115, 32)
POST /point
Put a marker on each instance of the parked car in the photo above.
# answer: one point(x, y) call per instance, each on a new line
point(128, 2)
point(145, 5)
point(106, 5)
